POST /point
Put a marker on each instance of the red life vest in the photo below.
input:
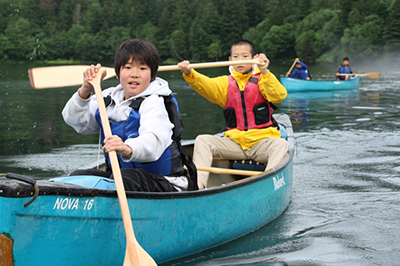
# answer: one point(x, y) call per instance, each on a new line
point(247, 109)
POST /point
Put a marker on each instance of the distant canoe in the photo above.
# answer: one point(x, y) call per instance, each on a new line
point(78, 221)
point(299, 85)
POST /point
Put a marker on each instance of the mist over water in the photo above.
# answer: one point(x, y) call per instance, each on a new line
point(346, 194)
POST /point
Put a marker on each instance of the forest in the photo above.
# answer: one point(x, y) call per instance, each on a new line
point(199, 30)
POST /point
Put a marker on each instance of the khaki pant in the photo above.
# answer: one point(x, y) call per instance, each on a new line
point(207, 147)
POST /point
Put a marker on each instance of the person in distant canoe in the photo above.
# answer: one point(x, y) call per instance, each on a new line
point(143, 116)
point(246, 96)
point(344, 69)
point(301, 71)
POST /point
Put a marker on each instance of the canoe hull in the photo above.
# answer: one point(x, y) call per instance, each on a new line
point(166, 228)
point(299, 85)
point(85, 227)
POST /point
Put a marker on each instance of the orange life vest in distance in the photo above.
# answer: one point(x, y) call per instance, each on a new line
point(247, 109)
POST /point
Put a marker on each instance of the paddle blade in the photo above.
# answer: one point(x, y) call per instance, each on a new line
point(142, 259)
point(373, 75)
point(60, 76)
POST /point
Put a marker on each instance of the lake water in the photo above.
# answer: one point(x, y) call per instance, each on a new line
point(345, 207)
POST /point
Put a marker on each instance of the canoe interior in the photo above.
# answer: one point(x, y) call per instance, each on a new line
point(70, 224)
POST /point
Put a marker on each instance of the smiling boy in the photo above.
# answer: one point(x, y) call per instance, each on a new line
point(144, 137)
point(246, 96)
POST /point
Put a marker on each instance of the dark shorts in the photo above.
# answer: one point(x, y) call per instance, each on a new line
point(134, 179)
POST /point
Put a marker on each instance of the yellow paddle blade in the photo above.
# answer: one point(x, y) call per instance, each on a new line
point(373, 75)
point(60, 76)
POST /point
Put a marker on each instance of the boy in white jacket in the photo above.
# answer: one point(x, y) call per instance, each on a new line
point(143, 135)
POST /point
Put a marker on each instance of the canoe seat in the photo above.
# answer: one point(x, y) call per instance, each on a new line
point(244, 164)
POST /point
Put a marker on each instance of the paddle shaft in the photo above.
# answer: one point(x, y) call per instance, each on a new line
point(294, 63)
point(217, 170)
point(65, 76)
point(133, 247)
point(211, 64)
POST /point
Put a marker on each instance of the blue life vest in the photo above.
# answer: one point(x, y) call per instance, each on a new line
point(170, 162)
point(300, 73)
point(344, 70)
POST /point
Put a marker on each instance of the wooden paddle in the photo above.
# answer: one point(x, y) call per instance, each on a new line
point(290, 70)
point(135, 255)
point(227, 171)
point(372, 75)
point(65, 76)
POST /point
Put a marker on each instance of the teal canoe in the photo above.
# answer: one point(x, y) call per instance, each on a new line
point(300, 85)
point(77, 220)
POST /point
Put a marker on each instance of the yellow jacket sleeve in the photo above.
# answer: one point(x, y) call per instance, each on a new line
point(271, 89)
point(213, 89)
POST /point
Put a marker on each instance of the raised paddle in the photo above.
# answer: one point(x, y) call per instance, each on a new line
point(372, 75)
point(135, 255)
point(65, 76)
point(290, 70)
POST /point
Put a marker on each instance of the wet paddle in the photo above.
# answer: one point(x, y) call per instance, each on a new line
point(135, 254)
point(372, 75)
point(65, 76)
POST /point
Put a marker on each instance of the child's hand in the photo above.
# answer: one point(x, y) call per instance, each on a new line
point(262, 58)
point(115, 143)
point(184, 67)
point(86, 90)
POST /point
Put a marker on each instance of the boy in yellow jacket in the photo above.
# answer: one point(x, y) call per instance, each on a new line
point(246, 96)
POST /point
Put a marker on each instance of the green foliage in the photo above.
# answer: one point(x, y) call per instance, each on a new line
point(278, 42)
point(91, 30)
point(306, 46)
point(365, 39)
point(392, 31)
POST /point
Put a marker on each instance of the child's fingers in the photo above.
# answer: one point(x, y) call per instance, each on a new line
point(184, 66)
point(113, 143)
point(91, 72)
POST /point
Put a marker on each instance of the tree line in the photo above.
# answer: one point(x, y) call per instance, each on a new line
point(199, 30)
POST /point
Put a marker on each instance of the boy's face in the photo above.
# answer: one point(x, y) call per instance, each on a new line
point(298, 66)
point(134, 77)
point(346, 62)
point(241, 52)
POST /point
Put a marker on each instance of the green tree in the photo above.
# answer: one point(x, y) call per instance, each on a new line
point(19, 44)
point(199, 41)
point(392, 32)
point(278, 42)
point(304, 9)
point(305, 46)
point(214, 51)
point(366, 39)
point(233, 24)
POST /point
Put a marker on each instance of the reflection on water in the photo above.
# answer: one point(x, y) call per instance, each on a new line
point(344, 208)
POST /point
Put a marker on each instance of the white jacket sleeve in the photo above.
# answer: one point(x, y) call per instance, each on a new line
point(80, 114)
point(155, 131)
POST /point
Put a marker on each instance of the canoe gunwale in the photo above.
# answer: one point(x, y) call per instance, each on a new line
point(19, 189)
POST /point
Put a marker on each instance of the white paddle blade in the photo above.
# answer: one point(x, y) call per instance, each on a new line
point(60, 76)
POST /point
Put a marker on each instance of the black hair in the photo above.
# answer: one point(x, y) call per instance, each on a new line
point(346, 58)
point(139, 50)
point(245, 42)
